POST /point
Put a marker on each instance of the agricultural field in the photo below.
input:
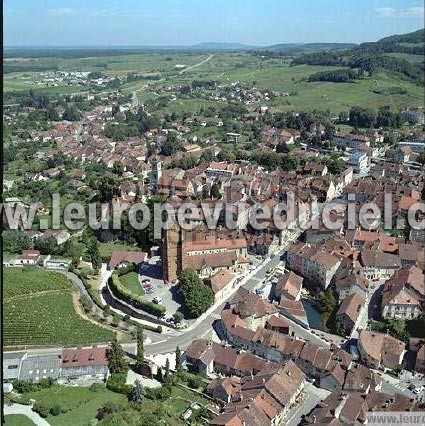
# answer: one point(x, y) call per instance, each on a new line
point(268, 73)
point(40, 311)
point(26, 281)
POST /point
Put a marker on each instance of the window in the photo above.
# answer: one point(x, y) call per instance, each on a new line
point(12, 367)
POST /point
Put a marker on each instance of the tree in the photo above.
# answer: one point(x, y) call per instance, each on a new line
point(71, 113)
point(178, 317)
point(178, 360)
point(92, 251)
point(159, 375)
point(197, 297)
point(118, 168)
point(116, 361)
point(108, 188)
point(138, 392)
point(215, 191)
point(15, 241)
point(167, 369)
point(140, 356)
point(362, 117)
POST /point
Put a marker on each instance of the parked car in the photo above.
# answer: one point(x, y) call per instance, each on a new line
point(149, 290)
point(157, 300)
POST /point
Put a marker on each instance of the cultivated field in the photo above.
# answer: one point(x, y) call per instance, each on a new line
point(267, 73)
point(39, 310)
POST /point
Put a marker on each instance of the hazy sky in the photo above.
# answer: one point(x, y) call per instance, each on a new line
point(184, 22)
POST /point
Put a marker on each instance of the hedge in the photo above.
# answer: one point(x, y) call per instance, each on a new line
point(116, 383)
point(139, 302)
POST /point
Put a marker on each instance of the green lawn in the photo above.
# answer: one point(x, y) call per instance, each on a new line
point(106, 249)
point(131, 281)
point(81, 404)
point(17, 420)
point(25, 281)
point(42, 311)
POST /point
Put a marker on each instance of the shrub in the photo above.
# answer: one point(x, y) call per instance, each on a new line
point(195, 382)
point(116, 383)
point(42, 409)
point(160, 394)
point(55, 410)
point(139, 302)
point(96, 387)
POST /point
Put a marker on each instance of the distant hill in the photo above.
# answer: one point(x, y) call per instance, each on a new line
point(308, 47)
point(411, 43)
point(209, 45)
point(372, 57)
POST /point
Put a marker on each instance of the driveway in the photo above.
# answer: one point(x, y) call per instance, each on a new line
point(167, 292)
point(26, 411)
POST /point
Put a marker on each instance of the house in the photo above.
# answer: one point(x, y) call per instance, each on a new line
point(276, 323)
point(27, 257)
point(352, 282)
point(208, 357)
point(404, 294)
point(56, 263)
point(359, 161)
point(361, 379)
point(224, 389)
point(289, 287)
point(221, 283)
point(120, 258)
point(349, 311)
point(294, 310)
point(378, 349)
point(88, 362)
point(265, 398)
point(252, 308)
point(377, 265)
point(420, 359)
point(313, 264)
point(403, 154)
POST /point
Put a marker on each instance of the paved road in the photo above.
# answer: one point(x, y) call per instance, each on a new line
point(26, 411)
point(196, 65)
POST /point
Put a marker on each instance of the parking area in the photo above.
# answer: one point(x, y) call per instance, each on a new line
point(155, 288)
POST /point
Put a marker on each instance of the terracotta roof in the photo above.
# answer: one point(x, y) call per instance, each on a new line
point(379, 259)
point(381, 347)
point(118, 257)
point(220, 280)
point(216, 244)
point(351, 306)
point(291, 283)
point(213, 260)
point(275, 321)
point(82, 357)
point(254, 306)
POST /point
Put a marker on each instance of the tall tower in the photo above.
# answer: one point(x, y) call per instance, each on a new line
point(156, 171)
point(173, 252)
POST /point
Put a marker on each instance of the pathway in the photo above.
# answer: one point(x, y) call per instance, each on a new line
point(26, 411)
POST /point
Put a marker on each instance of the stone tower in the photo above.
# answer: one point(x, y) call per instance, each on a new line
point(156, 171)
point(173, 252)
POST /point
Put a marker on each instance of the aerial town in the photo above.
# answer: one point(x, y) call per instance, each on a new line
point(244, 323)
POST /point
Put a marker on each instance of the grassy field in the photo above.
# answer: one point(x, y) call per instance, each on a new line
point(26, 281)
point(131, 281)
point(81, 404)
point(40, 311)
point(17, 420)
point(106, 249)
